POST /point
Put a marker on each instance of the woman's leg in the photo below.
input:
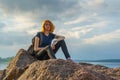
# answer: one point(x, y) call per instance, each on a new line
point(63, 46)
point(43, 56)
point(48, 50)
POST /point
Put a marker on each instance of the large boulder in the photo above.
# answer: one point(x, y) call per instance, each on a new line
point(18, 65)
point(60, 70)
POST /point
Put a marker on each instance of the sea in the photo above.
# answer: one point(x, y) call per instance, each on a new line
point(3, 65)
point(107, 64)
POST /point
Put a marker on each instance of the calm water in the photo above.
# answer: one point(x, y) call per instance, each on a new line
point(107, 64)
point(3, 65)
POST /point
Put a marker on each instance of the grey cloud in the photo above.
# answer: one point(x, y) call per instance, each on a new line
point(2, 25)
point(110, 8)
point(57, 9)
point(40, 8)
point(14, 38)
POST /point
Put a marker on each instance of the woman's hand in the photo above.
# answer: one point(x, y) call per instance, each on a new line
point(53, 46)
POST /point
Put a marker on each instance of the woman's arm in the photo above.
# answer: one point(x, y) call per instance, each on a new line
point(36, 44)
point(59, 38)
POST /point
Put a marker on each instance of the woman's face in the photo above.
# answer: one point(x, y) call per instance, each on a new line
point(47, 26)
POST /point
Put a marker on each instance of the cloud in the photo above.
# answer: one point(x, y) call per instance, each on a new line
point(38, 9)
point(14, 38)
point(94, 3)
point(83, 30)
point(26, 16)
point(81, 19)
point(78, 20)
point(19, 24)
point(91, 5)
point(90, 21)
point(74, 32)
point(112, 6)
point(104, 38)
point(2, 24)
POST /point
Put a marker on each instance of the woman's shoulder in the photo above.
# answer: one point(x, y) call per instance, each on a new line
point(39, 34)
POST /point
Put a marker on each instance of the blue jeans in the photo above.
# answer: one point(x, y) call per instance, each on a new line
point(63, 46)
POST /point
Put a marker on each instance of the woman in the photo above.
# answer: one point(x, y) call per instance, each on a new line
point(47, 50)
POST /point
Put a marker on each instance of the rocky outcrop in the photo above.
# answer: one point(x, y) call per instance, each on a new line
point(26, 67)
point(1, 73)
point(18, 65)
point(60, 70)
point(112, 72)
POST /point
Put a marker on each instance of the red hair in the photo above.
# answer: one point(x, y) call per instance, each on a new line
point(52, 27)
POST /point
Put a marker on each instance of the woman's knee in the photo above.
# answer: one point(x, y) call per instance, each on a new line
point(61, 42)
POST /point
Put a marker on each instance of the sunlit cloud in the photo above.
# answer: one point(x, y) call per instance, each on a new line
point(94, 3)
point(19, 24)
point(108, 37)
point(87, 4)
point(81, 19)
point(76, 32)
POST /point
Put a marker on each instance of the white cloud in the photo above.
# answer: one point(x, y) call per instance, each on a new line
point(94, 3)
point(99, 24)
point(78, 20)
point(88, 4)
point(79, 31)
point(81, 19)
point(74, 32)
point(108, 37)
point(19, 23)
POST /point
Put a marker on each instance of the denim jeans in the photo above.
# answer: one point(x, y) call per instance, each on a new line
point(63, 46)
point(48, 53)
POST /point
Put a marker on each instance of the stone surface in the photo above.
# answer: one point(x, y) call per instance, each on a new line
point(60, 70)
point(25, 67)
point(18, 65)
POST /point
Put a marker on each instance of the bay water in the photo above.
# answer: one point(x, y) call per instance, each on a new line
point(107, 64)
point(3, 65)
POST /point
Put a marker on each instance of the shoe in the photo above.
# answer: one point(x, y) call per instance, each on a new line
point(69, 59)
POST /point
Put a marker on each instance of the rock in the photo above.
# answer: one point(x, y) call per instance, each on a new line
point(111, 72)
point(25, 67)
point(18, 65)
point(60, 70)
point(1, 73)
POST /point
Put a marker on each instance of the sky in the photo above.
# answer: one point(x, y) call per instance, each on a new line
point(91, 27)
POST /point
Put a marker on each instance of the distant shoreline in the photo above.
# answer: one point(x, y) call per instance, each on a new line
point(111, 63)
point(102, 60)
point(8, 59)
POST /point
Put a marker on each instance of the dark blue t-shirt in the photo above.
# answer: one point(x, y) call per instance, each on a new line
point(46, 40)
